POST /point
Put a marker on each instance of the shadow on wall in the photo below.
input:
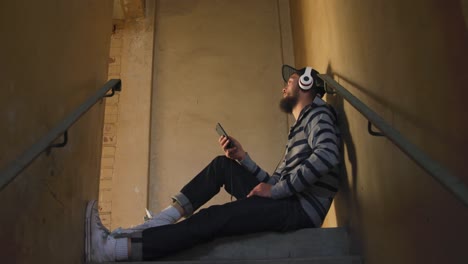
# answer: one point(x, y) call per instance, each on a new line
point(397, 110)
point(346, 200)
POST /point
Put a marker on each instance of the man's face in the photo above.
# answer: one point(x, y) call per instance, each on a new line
point(290, 94)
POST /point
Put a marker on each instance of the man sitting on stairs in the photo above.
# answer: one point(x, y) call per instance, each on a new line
point(297, 195)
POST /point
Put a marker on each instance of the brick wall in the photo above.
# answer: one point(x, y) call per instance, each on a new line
point(111, 122)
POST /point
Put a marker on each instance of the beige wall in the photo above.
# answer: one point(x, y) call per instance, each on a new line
point(408, 62)
point(215, 61)
point(53, 56)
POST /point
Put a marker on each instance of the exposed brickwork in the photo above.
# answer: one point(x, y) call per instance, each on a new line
point(109, 139)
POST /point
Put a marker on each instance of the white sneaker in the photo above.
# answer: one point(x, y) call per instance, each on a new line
point(99, 246)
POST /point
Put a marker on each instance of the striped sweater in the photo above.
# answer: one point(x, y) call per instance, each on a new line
point(309, 168)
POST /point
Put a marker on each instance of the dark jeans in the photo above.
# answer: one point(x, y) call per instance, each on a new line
point(243, 216)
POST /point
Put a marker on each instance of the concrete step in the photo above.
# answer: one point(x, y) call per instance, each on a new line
point(304, 243)
point(312, 260)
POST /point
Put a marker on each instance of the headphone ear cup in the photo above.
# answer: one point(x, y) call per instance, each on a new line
point(306, 81)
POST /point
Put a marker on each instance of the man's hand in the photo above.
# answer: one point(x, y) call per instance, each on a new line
point(262, 190)
point(236, 152)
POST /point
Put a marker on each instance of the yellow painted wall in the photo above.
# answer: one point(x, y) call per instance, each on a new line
point(408, 61)
point(215, 61)
point(53, 56)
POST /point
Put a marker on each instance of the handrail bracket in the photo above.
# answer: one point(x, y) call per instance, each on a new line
point(116, 88)
point(327, 89)
point(58, 145)
point(372, 132)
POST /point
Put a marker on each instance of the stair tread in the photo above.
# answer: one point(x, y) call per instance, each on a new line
point(312, 260)
point(310, 242)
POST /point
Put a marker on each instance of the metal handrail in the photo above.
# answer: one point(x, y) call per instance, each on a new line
point(45, 143)
point(452, 183)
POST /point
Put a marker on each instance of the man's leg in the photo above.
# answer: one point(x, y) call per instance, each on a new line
point(222, 171)
point(169, 215)
point(255, 214)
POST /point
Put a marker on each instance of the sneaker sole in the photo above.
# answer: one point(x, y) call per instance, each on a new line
point(89, 209)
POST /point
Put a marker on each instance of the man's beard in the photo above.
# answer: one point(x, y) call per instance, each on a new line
point(288, 103)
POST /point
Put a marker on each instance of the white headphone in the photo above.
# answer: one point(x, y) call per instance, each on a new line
point(306, 81)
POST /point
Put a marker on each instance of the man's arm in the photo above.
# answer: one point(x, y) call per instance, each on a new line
point(238, 153)
point(261, 174)
point(325, 156)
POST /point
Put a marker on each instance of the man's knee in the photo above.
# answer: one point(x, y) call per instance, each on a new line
point(219, 160)
point(223, 162)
